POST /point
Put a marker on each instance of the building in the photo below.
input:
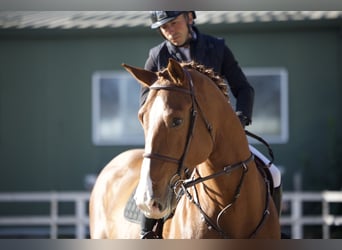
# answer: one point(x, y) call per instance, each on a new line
point(48, 60)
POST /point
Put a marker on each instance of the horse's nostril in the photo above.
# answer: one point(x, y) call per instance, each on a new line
point(157, 205)
point(160, 207)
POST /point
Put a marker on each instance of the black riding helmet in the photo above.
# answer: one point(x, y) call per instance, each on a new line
point(160, 17)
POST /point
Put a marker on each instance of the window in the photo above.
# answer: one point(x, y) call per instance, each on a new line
point(116, 104)
point(270, 112)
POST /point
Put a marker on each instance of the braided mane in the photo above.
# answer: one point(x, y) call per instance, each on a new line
point(209, 72)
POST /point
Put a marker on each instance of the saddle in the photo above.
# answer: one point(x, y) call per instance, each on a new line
point(262, 166)
point(265, 172)
point(132, 213)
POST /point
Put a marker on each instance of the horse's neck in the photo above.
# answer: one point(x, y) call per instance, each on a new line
point(230, 141)
point(220, 192)
point(231, 147)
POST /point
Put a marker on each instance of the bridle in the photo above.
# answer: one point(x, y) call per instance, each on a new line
point(195, 109)
point(180, 186)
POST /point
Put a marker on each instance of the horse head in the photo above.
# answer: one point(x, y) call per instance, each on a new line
point(177, 135)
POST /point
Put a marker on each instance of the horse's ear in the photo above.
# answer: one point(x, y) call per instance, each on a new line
point(176, 71)
point(145, 77)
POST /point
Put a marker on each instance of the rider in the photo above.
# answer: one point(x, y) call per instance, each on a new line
point(185, 43)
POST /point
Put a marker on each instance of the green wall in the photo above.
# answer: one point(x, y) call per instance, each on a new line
point(46, 105)
point(45, 98)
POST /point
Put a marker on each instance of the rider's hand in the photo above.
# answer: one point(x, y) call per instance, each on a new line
point(245, 121)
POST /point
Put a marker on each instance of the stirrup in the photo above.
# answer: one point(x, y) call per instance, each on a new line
point(149, 235)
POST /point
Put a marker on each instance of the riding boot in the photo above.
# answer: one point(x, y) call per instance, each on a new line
point(147, 225)
point(277, 198)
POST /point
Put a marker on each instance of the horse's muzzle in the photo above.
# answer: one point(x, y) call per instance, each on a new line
point(153, 207)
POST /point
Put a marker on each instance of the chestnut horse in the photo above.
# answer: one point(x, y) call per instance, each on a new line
point(196, 170)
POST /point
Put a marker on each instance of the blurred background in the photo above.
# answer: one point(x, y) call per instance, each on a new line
point(67, 108)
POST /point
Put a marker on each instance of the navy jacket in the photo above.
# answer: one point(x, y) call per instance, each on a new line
point(213, 53)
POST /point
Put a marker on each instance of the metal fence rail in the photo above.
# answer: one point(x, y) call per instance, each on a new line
point(79, 218)
point(296, 219)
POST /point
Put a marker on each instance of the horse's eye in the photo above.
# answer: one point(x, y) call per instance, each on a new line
point(176, 122)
